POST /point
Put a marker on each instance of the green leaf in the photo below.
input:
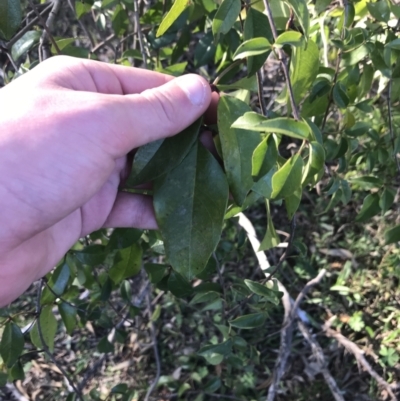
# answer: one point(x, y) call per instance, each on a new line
point(58, 282)
point(244, 83)
point(48, 325)
point(300, 10)
point(379, 10)
point(176, 10)
point(68, 316)
point(92, 255)
point(121, 388)
point(3, 379)
point(122, 238)
point(10, 17)
point(387, 199)
point(340, 96)
point(224, 348)
point(264, 185)
point(256, 25)
point(202, 297)
point(369, 208)
point(367, 181)
point(262, 290)
point(24, 44)
point(12, 344)
point(119, 20)
point(237, 146)
point(271, 238)
point(288, 178)
point(281, 125)
point(204, 51)
point(159, 157)
point(178, 285)
point(190, 203)
point(17, 371)
point(252, 47)
point(251, 321)
point(82, 8)
point(155, 271)
point(292, 38)
point(315, 163)
point(392, 235)
point(292, 202)
point(225, 17)
point(127, 263)
point(104, 346)
point(264, 157)
point(304, 68)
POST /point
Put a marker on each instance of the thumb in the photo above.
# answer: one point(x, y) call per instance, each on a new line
point(159, 112)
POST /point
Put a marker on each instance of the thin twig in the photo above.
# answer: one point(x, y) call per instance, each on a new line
point(46, 348)
point(82, 25)
point(359, 355)
point(287, 250)
point(156, 354)
point(139, 32)
point(103, 43)
point(389, 101)
point(260, 86)
point(320, 359)
point(47, 26)
point(282, 59)
point(222, 284)
point(226, 70)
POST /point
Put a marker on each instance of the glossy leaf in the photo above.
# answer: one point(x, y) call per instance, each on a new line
point(252, 47)
point(10, 17)
point(159, 157)
point(281, 125)
point(256, 25)
point(68, 316)
point(300, 10)
point(12, 344)
point(190, 203)
point(92, 255)
point(271, 238)
point(48, 326)
point(58, 282)
point(292, 202)
point(122, 238)
point(120, 20)
point(205, 50)
point(128, 262)
point(237, 146)
point(263, 186)
point(225, 17)
point(176, 10)
point(178, 285)
point(264, 157)
point(288, 178)
point(224, 348)
point(340, 96)
point(262, 290)
point(292, 38)
point(392, 235)
point(386, 200)
point(251, 321)
point(304, 67)
point(155, 271)
point(24, 44)
point(369, 208)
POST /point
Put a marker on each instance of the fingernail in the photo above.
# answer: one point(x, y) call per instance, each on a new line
point(194, 87)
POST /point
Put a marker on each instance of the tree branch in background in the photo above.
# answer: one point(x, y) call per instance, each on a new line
point(82, 25)
point(46, 348)
point(292, 313)
point(44, 51)
point(282, 59)
point(320, 359)
point(260, 85)
point(391, 131)
point(139, 32)
point(156, 353)
point(359, 355)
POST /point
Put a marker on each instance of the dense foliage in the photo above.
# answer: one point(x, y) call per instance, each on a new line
point(306, 141)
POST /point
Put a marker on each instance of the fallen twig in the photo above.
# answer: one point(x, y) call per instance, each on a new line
point(359, 355)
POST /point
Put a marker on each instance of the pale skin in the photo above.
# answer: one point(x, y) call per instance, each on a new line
point(66, 128)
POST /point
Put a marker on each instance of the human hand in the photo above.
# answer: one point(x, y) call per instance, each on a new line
point(65, 130)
